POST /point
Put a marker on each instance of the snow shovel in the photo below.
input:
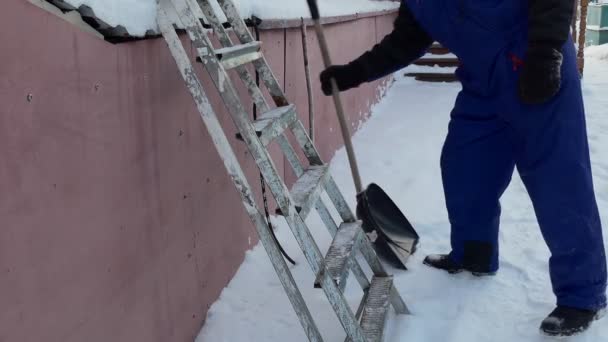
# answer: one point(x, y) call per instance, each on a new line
point(393, 236)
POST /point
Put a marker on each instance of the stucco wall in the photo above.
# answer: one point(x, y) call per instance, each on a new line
point(117, 221)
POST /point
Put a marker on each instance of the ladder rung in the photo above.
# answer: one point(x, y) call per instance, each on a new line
point(235, 56)
point(340, 251)
point(307, 189)
point(237, 50)
point(376, 307)
point(272, 124)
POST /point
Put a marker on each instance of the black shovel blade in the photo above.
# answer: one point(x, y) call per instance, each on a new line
point(397, 239)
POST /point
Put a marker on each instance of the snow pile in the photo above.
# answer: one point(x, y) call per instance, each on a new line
point(139, 16)
point(399, 147)
point(597, 52)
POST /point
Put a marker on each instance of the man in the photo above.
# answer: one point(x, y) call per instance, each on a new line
point(520, 106)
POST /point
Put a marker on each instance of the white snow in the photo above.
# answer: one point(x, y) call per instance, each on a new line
point(597, 52)
point(399, 148)
point(136, 16)
point(446, 56)
point(431, 69)
point(281, 9)
point(139, 16)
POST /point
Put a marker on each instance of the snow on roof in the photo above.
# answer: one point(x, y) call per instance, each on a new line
point(138, 17)
point(281, 9)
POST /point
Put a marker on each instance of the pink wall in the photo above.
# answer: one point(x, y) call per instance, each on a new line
point(118, 222)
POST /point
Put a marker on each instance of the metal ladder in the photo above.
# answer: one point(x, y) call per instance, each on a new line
point(367, 324)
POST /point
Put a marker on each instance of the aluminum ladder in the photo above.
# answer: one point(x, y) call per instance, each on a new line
point(367, 324)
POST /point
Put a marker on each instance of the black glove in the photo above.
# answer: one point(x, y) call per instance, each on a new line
point(549, 29)
point(346, 76)
point(541, 76)
point(406, 43)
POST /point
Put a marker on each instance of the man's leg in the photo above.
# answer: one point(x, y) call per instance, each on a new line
point(477, 164)
point(555, 167)
point(554, 164)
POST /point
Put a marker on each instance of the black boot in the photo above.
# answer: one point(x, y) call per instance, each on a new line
point(445, 263)
point(565, 321)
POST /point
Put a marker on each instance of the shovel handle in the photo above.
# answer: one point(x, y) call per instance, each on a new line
point(314, 11)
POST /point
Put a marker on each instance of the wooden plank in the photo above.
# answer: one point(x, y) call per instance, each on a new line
point(442, 62)
point(438, 49)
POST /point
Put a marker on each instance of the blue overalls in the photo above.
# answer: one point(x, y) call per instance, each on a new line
point(491, 132)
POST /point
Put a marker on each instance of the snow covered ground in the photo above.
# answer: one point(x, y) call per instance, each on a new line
point(139, 16)
point(399, 148)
